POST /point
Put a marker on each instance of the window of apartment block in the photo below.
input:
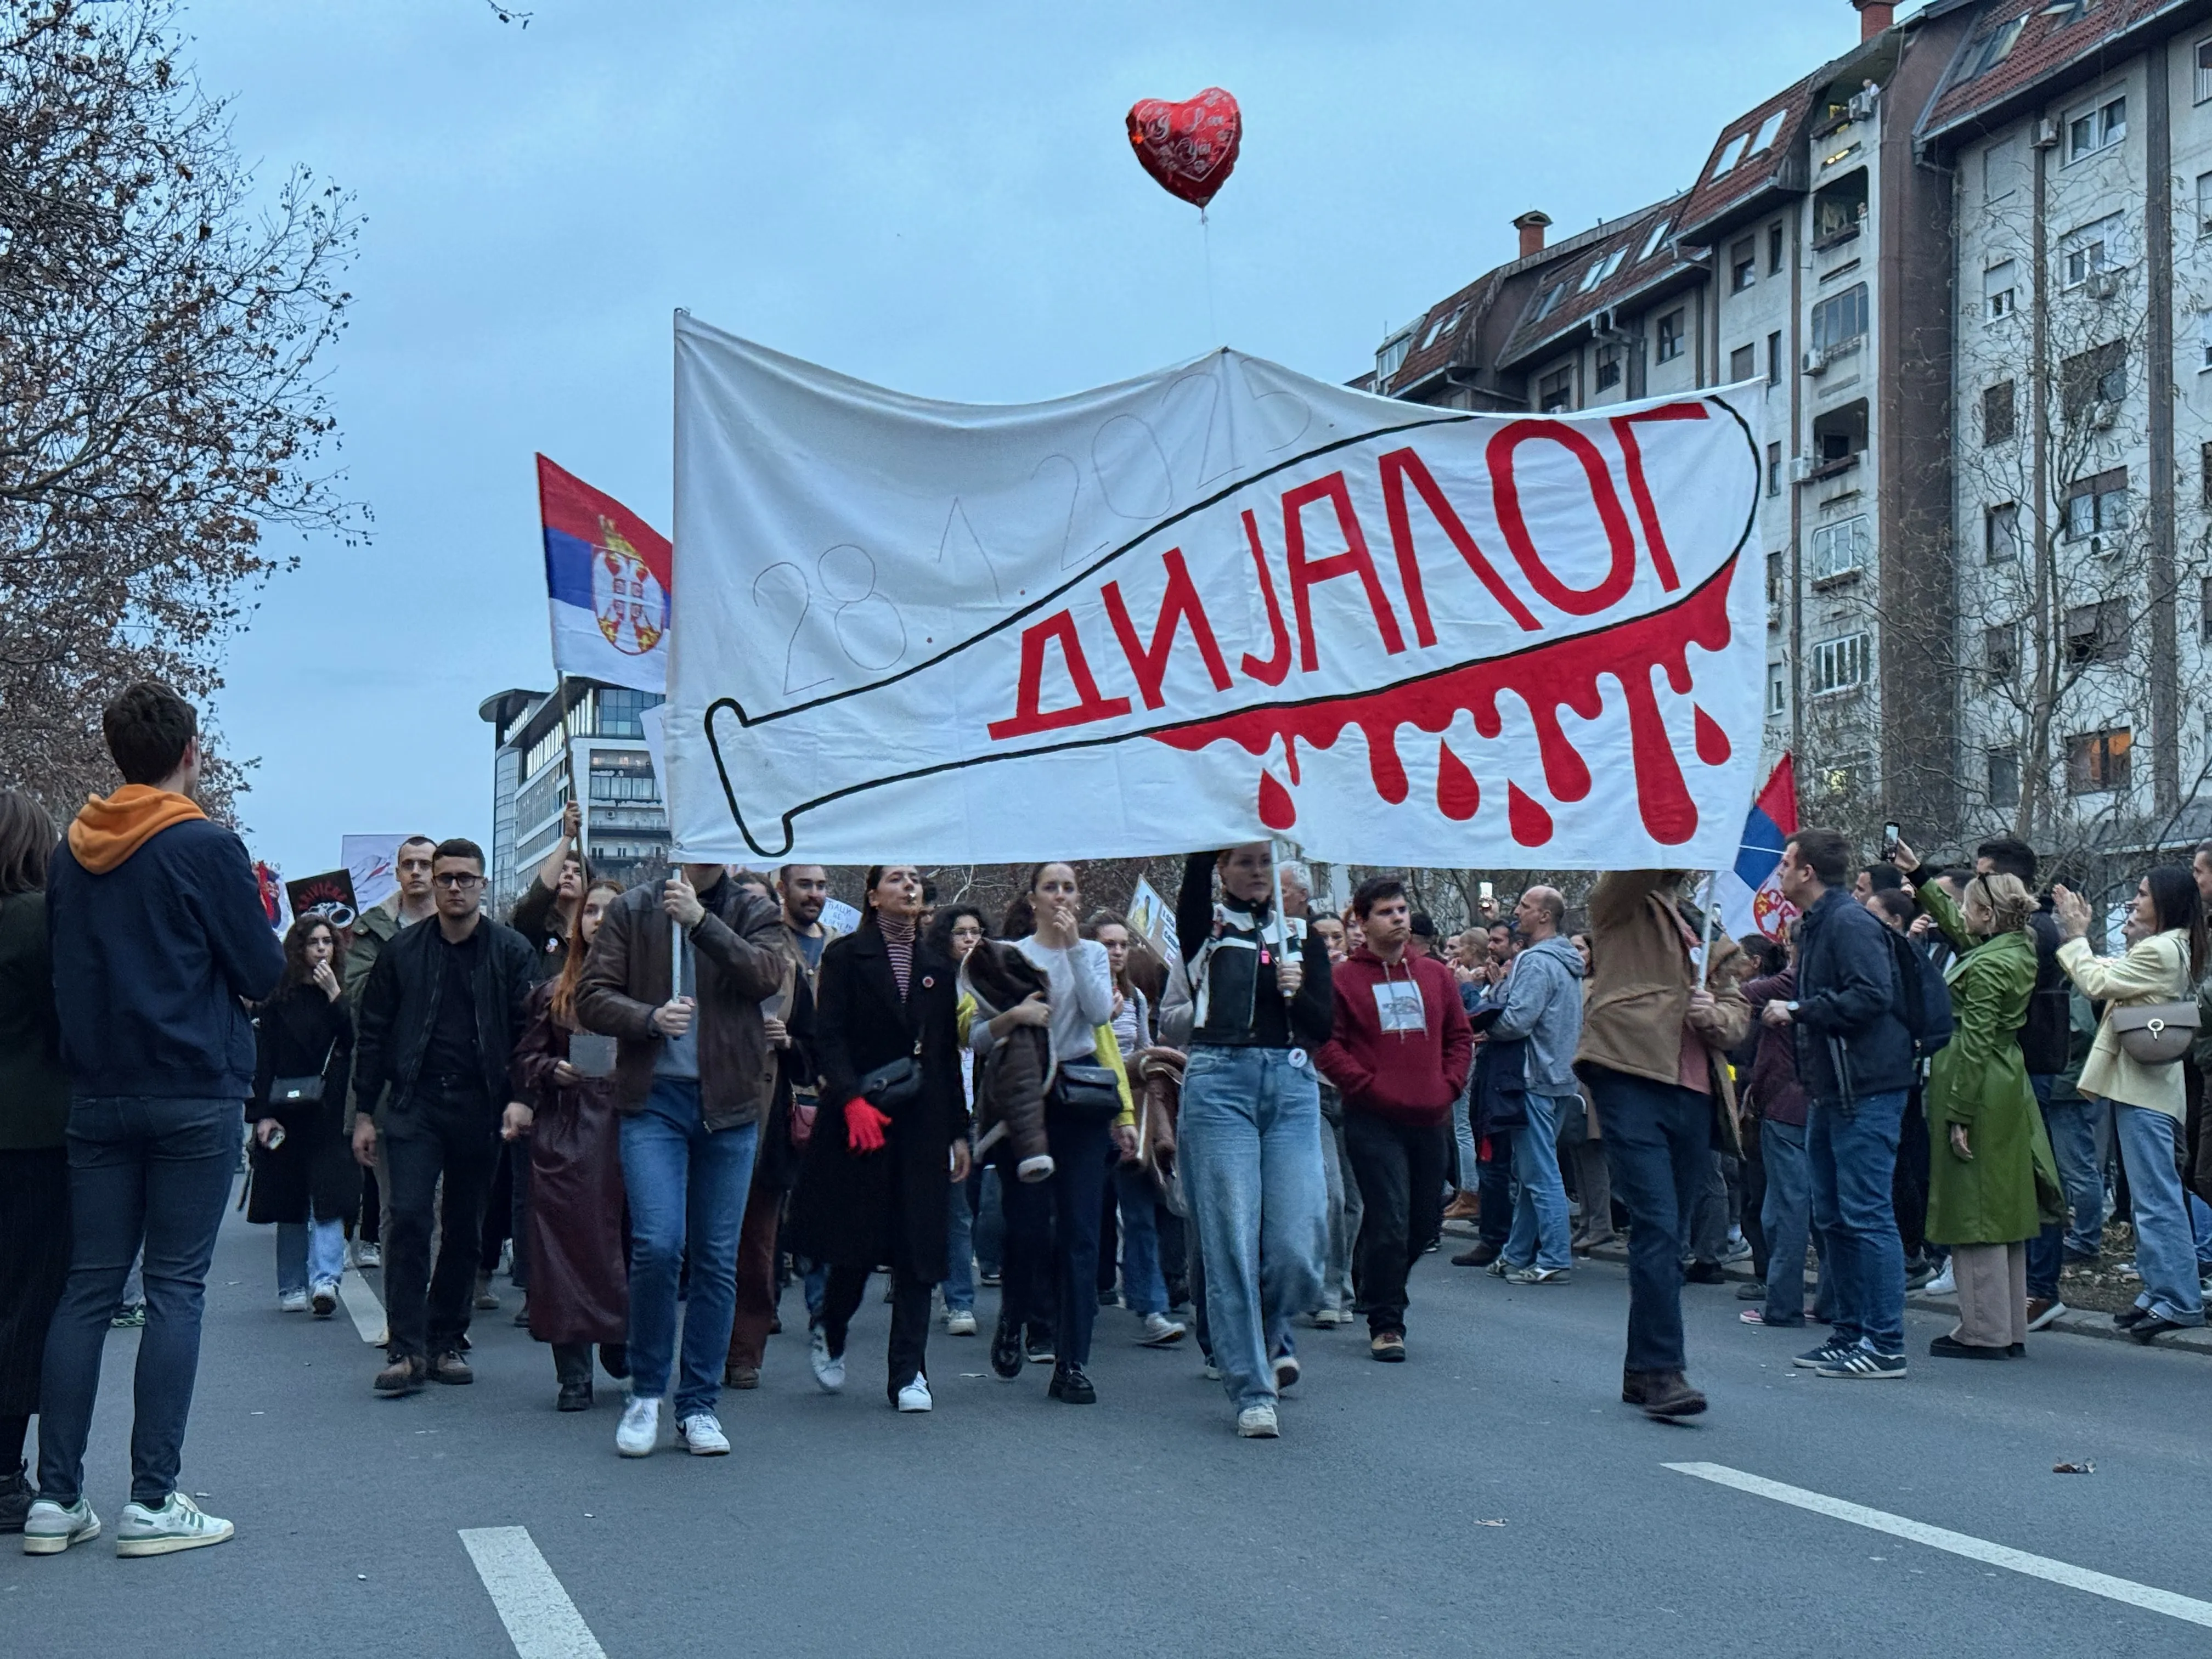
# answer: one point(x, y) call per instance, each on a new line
point(2205, 470)
point(1550, 302)
point(1774, 358)
point(2001, 170)
point(1840, 208)
point(1743, 363)
point(1998, 290)
point(1999, 412)
point(1841, 320)
point(1777, 687)
point(2204, 71)
point(1392, 356)
point(2096, 127)
point(1556, 391)
point(2099, 375)
point(624, 776)
point(1840, 550)
point(2001, 651)
point(2097, 507)
point(1608, 368)
point(1743, 265)
point(2100, 244)
point(2004, 777)
point(2204, 204)
point(2001, 533)
point(1840, 664)
point(2096, 633)
point(2097, 761)
point(2204, 608)
point(1774, 468)
point(1775, 578)
point(2204, 340)
point(1774, 251)
point(1666, 341)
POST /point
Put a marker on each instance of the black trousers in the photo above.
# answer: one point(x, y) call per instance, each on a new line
point(434, 1135)
point(1494, 1186)
point(909, 1343)
point(1400, 1169)
point(1908, 1182)
point(1050, 1271)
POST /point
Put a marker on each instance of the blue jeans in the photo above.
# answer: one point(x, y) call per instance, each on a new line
point(2166, 1245)
point(959, 1250)
point(1144, 1288)
point(1854, 1160)
point(309, 1253)
point(148, 1171)
point(990, 1233)
point(1250, 1134)
point(2073, 1126)
point(2200, 1225)
point(687, 1199)
point(1463, 1137)
point(1541, 1226)
point(1787, 1216)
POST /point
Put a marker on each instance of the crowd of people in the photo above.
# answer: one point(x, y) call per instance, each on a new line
point(668, 1103)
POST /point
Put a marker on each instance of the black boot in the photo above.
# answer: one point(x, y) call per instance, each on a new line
point(1006, 1349)
point(16, 1496)
point(572, 1365)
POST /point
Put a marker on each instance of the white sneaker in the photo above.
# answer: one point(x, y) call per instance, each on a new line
point(915, 1397)
point(325, 1301)
point(1160, 1331)
point(829, 1373)
point(639, 1431)
point(702, 1432)
point(1210, 1371)
point(293, 1302)
point(178, 1524)
point(1258, 1423)
point(1944, 1283)
point(50, 1529)
point(367, 1254)
point(959, 1322)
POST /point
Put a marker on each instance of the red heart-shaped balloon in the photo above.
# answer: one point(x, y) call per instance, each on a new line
point(1190, 148)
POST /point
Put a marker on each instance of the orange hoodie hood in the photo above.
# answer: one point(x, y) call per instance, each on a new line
point(106, 831)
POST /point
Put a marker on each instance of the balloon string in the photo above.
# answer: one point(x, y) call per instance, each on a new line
point(1212, 323)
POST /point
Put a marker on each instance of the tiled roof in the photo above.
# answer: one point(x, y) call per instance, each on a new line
point(1632, 270)
point(1780, 120)
point(1441, 330)
point(2044, 42)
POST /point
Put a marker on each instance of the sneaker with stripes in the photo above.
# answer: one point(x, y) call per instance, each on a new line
point(1862, 1363)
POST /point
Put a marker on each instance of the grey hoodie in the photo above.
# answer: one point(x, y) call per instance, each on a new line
point(1542, 999)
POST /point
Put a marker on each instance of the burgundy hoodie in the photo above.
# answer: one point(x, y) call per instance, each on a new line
point(1409, 1073)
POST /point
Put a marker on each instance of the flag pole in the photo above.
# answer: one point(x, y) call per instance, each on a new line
point(1712, 906)
point(1275, 847)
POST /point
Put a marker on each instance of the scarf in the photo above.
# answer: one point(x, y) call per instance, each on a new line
point(898, 945)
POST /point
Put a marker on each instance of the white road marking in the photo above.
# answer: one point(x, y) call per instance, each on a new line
point(541, 1620)
point(361, 1304)
point(2184, 1607)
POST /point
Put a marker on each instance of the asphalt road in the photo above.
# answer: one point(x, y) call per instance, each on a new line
point(1006, 1524)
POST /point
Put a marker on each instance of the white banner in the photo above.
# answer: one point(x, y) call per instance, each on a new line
point(371, 861)
point(1201, 606)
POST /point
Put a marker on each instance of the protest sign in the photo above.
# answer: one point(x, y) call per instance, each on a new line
point(1153, 919)
point(1203, 606)
point(371, 862)
point(330, 895)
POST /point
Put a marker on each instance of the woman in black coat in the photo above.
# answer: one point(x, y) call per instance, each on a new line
point(890, 1134)
point(305, 1178)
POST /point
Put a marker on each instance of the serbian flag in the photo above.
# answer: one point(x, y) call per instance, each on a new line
point(608, 581)
point(1751, 894)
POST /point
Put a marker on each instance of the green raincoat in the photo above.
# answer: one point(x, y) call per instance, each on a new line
point(2010, 1187)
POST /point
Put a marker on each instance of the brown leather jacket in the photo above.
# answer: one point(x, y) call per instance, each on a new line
point(1641, 978)
point(741, 951)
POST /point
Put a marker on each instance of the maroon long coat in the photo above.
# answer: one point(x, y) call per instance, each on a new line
point(579, 1267)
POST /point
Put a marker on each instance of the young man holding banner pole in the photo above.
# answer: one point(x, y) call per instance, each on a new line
point(1249, 1128)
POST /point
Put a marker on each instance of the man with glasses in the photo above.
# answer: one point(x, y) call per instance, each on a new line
point(440, 1018)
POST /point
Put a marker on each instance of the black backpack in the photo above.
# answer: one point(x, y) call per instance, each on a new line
point(1924, 1000)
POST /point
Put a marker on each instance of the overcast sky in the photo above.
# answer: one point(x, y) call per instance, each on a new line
point(936, 198)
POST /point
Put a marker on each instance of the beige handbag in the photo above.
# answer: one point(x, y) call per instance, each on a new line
point(2155, 1033)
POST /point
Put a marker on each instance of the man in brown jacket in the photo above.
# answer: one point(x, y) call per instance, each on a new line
point(1654, 1053)
point(694, 1077)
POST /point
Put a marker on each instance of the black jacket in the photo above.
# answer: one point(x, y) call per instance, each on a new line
point(2046, 1039)
point(302, 1032)
point(1241, 1005)
point(865, 1209)
point(399, 1006)
point(1848, 1004)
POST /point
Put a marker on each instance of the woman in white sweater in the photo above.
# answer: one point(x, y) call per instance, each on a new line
point(1051, 1264)
point(2149, 1102)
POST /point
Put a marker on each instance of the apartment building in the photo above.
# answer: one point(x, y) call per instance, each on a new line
point(542, 740)
point(1956, 212)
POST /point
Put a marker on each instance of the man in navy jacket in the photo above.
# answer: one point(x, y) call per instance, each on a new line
point(1854, 1057)
point(159, 941)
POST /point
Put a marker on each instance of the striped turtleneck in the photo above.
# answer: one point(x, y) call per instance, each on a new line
point(898, 945)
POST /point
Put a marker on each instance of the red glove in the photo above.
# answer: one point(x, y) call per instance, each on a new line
point(864, 1125)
